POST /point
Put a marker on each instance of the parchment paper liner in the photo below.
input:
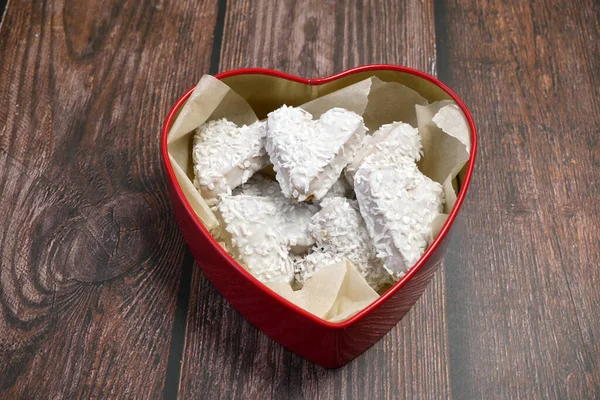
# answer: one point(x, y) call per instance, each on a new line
point(337, 291)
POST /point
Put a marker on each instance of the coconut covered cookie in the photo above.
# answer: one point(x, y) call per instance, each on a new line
point(398, 138)
point(341, 234)
point(264, 231)
point(309, 155)
point(271, 230)
point(398, 204)
point(225, 156)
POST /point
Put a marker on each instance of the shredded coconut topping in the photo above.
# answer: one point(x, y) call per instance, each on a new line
point(398, 138)
point(308, 155)
point(264, 230)
point(398, 204)
point(226, 155)
point(383, 233)
point(340, 234)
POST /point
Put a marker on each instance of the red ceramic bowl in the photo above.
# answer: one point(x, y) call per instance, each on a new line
point(328, 344)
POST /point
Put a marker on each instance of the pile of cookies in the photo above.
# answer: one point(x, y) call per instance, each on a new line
point(339, 193)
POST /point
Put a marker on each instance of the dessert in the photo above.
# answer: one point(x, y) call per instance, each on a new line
point(264, 230)
point(271, 230)
point(396, 137)
point(398, 204)
point(225, 156)
point(308, 155)
point(341, 234)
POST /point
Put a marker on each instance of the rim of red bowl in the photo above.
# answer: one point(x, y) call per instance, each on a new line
point(318, 81)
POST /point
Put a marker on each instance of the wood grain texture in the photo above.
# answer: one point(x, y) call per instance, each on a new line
point(225, 356)
point(523, 301)
point(317, 39)
point(90, 257)
point(89, 250)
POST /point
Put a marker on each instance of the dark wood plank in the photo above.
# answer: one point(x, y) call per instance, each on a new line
point(225, 356)
point(523, 298)
point(90, 253)
point(2, 8)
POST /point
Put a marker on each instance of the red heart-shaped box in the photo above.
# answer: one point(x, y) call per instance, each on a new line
point(328, 344)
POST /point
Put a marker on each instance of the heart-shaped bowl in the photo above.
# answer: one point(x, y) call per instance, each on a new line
point(325, 343)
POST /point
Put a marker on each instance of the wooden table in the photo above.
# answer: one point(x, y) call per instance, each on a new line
point(99, 296)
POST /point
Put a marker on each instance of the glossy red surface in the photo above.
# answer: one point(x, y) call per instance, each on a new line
point(328, 344)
